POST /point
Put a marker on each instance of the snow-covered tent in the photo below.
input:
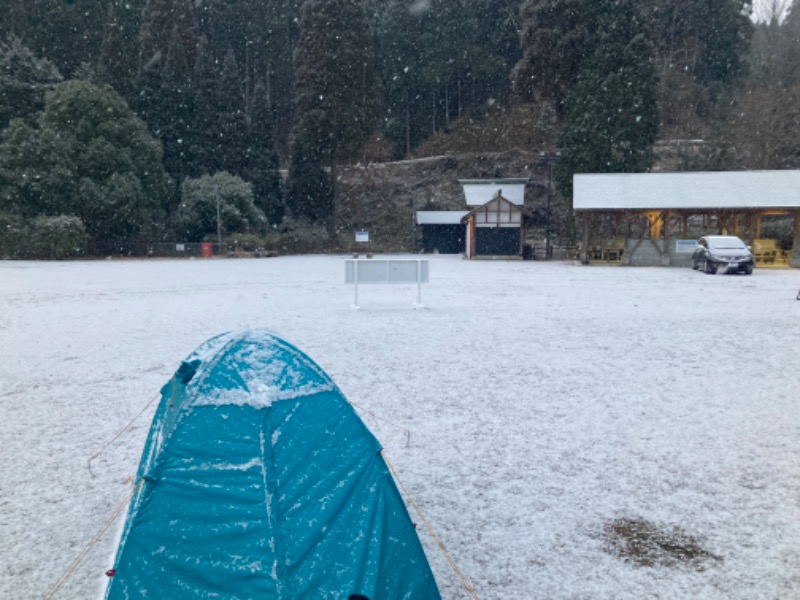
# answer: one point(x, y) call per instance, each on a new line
point(258, 480)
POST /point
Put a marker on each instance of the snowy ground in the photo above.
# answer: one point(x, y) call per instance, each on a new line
point(525, 406)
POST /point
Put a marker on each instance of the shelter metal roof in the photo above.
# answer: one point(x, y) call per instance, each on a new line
point(499, 211)
point(478, 192)
point(440, 217)
point(690, 190)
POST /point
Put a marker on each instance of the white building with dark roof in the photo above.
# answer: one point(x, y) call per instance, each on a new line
point(492, 225)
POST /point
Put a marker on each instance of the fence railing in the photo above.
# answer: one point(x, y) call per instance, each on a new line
point(186, 249)
point(539, 252)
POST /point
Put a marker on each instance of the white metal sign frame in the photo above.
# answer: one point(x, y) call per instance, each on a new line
point(386, 271)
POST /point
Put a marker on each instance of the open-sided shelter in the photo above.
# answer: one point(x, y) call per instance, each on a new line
point(654, 218)
point(442, 231)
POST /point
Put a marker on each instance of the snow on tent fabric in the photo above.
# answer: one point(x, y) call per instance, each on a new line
point(258, 480)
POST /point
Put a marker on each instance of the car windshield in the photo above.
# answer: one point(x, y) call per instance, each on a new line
point(726, 243)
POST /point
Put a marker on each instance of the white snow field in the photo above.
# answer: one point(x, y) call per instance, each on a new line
point(525, 407)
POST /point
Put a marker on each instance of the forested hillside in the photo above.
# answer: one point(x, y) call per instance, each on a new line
point(126, 123)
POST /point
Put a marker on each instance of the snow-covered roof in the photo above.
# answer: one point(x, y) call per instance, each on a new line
point(478, 192)
point(701, 190)
point(440, 217)
point(498, 211)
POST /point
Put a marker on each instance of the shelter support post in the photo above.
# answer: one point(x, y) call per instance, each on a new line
point(585, 245)
point(471, 236)
point(419, 283)
point(355, 284)
point(794, 257)
point(749, 223)
point(626, 234)
point(666, 251)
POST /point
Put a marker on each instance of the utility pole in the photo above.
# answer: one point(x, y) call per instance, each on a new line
point(549, 159)
point(219, 221)
point(548, 249)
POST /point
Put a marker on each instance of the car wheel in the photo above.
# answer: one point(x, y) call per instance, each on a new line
point(748, 270)
point(710, 268)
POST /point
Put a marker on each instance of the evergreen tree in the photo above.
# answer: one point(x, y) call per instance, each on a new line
point(169, 40)
point(24, 79)
point(88, 156)
point(116, 63)
point(766, 48)
point(336, 85)
point(335, 70)
point(309, 192)
point(262, 160)
point(401, 45)
point(774, 59)
point(791, 44)
point(274, 64)
point(66, 34)
point(707, 39)
point(262, 36)
point(196, 217)
point(700, 47)
point(724, 29)
point(612, 118)
point(203, 150)
point(231, 124)
point(558, 38)
point(441, 60)
point(793, 21)
point(547, 124)
point(760, 129)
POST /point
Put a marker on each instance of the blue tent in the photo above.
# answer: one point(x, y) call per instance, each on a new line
point(258, 480)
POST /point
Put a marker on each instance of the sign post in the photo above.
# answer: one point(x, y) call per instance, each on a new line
point(386, 271)
point(362, 237)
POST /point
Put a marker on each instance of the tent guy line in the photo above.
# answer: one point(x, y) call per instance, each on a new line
point(405, 430)
point(95, 539)
point(155, 397)
point(464, 581)
point(260, 480)
point(118, 510)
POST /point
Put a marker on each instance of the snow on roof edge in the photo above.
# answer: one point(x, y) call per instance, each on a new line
point(691, 189)
point(440, 217)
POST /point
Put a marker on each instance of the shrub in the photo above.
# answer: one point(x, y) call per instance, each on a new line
point(88, 154)
point(249, 242)
point(13, 233)
point(43, 238)
point(196, 217)
point(58, 238)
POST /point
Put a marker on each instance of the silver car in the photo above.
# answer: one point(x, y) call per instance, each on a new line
point(724, 253)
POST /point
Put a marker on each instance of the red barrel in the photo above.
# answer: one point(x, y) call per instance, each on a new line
point(206, 249)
